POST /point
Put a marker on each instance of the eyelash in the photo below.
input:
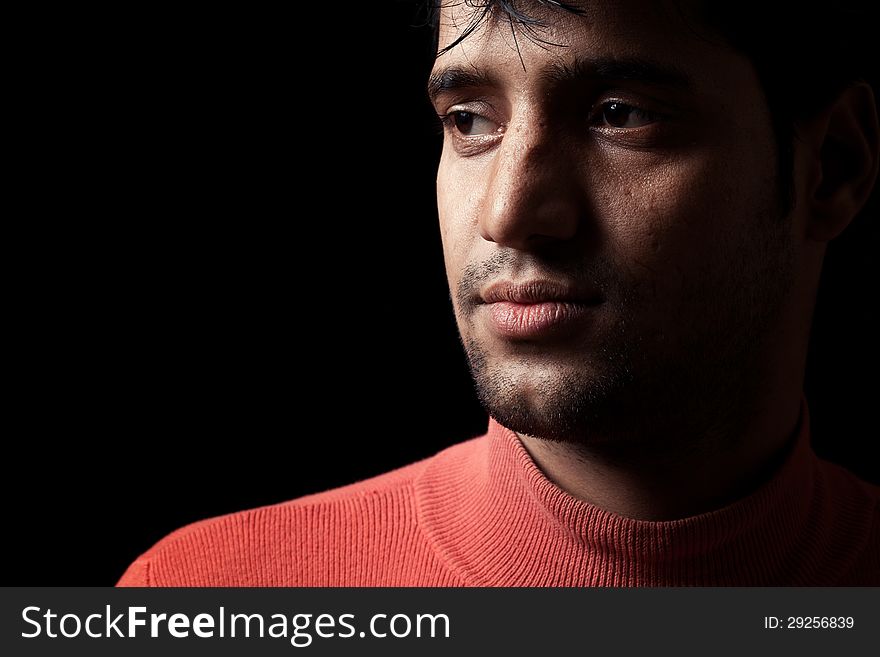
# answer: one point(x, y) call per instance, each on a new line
point(651, 117)
point(447, 120)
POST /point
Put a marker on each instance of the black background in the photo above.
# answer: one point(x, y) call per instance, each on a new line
point(228, 285)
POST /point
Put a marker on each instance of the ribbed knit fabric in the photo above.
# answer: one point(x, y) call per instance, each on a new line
point(481, 513)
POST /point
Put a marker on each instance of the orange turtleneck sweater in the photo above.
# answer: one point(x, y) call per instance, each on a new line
point(481, 513)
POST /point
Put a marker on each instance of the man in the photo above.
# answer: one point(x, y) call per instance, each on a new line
point(634, 217)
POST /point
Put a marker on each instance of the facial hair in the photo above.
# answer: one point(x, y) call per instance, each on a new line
point(638, 387)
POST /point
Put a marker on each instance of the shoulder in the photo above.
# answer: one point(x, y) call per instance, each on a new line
point(276, 545)
point(851, 524)
point(848, 490)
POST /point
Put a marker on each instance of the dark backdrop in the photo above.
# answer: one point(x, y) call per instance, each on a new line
point(231, 290)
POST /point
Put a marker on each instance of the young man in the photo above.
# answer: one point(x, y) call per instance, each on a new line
point(635, 200)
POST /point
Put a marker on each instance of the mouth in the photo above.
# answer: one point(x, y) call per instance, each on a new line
point(536, 309)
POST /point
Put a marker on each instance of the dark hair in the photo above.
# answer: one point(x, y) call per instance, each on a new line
point(804, 53)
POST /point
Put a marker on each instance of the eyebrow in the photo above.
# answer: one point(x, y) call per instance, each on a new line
point(635, 69)
point(631, 69)
point(454, 78)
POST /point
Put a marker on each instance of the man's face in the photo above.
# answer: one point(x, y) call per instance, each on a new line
point(609, 211)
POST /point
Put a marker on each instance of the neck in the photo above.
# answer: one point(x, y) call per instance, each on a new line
point(650, 484)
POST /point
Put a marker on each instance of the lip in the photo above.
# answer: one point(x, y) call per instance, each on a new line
point(536, 309)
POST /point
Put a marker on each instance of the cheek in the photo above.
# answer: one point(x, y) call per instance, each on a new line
point(451, 208)
point(446, 202)
point(456, 207)
point(669, 218)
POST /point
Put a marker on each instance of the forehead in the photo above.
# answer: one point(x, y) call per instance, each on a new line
point(665, 34)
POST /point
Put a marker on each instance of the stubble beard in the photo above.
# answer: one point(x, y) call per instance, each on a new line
point(640, 389)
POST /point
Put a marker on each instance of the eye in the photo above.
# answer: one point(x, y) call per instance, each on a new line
point(469, 124)
point(615, 114)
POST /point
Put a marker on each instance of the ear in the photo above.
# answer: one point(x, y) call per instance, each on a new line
point(844, 146)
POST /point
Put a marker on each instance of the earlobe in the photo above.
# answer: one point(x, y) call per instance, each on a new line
point(845, 163)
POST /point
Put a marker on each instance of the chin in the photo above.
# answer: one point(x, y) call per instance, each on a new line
point(550, 400)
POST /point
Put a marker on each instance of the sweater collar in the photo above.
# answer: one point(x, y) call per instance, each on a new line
point(494, 517)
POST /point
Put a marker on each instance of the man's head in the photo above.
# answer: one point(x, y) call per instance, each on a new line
point(633, 223)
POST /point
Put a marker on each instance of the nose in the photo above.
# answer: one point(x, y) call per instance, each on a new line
point(532, 196)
